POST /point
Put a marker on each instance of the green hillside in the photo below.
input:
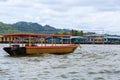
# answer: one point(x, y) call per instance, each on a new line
point(5, 29)
point(28, 27)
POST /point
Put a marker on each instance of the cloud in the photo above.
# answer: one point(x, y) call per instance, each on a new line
point(3, 0)
point(72, 14)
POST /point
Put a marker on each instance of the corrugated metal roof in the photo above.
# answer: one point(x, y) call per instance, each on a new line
point(76, 37)
point(112, 37)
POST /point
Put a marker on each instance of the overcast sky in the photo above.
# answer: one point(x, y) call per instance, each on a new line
point(87, 15)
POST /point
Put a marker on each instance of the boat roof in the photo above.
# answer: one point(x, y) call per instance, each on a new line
point(34, 35)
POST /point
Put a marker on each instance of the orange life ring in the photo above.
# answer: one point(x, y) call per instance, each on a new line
point(42, 39)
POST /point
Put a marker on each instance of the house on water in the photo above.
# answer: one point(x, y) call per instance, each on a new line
point(78, 39)
point(112, 40)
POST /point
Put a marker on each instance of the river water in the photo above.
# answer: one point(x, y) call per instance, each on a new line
point(90, 62)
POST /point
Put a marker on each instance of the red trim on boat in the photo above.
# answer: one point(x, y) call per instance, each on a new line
point(68, 46)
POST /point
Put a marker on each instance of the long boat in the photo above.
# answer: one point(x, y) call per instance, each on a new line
point(36, 44)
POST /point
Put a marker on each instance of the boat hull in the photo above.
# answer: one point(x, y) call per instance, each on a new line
point(21, 51)
point(35, 50)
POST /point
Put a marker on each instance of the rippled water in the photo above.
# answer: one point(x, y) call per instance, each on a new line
point(90, 62)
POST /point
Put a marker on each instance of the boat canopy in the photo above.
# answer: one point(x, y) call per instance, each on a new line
point(34, 35)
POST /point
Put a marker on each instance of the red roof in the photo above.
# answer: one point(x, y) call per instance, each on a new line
point(34, 35)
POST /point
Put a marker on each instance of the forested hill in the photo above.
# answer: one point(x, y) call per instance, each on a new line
point(5, 29)
point(28, 27)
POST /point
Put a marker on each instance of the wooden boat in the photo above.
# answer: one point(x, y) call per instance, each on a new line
point(27, 44)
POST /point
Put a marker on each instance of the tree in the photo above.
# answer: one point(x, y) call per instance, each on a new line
point(62, 33)
point(76, 33)
point(80, 33)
